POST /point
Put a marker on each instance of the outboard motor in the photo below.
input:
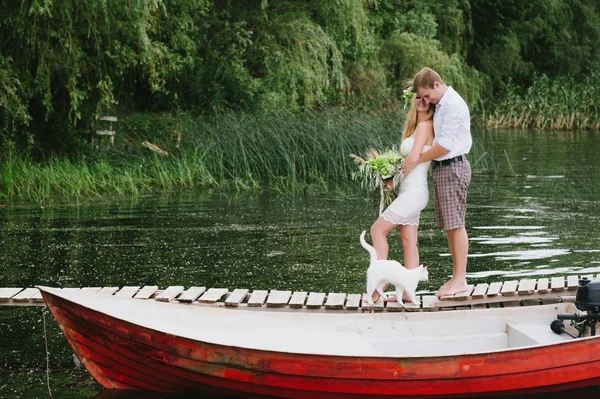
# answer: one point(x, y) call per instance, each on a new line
point(587, 300)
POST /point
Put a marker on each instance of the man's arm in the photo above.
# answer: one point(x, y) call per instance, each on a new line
point(434, 152)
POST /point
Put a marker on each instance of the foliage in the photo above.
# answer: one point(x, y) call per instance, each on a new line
point(64, 63)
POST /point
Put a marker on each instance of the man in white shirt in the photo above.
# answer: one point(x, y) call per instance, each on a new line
point(451, 169)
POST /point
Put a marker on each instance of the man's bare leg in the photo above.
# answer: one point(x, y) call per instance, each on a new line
point(458, 242)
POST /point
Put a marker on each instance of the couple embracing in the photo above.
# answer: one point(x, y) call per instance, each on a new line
point(438, 131)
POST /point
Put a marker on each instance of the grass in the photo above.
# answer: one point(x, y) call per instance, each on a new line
point(306, 152)
point(559, 103)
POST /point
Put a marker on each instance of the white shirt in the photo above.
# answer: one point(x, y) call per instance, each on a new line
point(452, 125)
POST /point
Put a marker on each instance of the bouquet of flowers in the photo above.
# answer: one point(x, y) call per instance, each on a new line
point(379, 171)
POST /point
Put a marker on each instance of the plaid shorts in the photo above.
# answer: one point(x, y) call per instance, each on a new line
point(450, 184)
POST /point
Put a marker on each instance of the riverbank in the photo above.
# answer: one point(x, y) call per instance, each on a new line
point(303, 152)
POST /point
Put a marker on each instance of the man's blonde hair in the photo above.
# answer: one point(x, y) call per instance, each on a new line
point(425, 78)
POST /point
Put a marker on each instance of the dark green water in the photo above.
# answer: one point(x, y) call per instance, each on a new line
point(533, 210)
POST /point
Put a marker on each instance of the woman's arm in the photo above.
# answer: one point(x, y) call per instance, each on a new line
point(422, 135)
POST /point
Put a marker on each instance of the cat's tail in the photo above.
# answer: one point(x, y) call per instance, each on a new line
point(368, 247)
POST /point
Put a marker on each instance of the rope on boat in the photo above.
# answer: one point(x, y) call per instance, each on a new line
point(47, 354)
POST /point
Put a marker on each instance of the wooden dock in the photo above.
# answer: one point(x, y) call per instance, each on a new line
point(524, 292)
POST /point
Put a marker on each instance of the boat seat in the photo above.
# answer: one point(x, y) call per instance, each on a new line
point(527, 334)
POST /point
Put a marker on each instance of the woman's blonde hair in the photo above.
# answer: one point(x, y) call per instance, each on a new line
point(411, 118)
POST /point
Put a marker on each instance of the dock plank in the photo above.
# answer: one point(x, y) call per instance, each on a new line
point(127, 291)
point(526, 287)
point(557, 284)
point(146, 292)
point(368, 306)
point(494, 289)
point(278, 299)
point(463, 296)
point(213, 295)
point(428, 301)
point(7, 293)
point(353, 301)
point(480, 290)
point(298, 299)
point(572, 282)
point(335, 300)
point(170, 293)
point(191, 294)
point(91, 290)
point(394, 307)
point(25, 295)
point(108, 291)
point(509, 288)
point(315, 300)
point(258, 298)
point(237, 296)
point(542, 285)
point(413, 307)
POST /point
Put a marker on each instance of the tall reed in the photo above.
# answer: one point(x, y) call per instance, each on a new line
point(558, 103)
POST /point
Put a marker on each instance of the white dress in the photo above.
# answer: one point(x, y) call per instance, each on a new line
point(414, 194)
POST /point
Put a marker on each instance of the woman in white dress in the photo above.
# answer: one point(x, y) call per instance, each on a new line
point(414, 194)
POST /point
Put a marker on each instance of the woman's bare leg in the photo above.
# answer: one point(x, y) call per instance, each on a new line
point(379, 231)
point(408, 235)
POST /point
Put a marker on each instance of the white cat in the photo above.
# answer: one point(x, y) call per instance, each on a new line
point(382, 272)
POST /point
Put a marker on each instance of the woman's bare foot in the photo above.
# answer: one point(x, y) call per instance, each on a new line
point(394, 298)
point(453, 286)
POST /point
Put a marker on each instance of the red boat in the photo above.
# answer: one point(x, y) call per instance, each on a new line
point(173, 347)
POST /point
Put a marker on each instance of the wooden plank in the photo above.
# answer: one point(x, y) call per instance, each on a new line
point(213, 295)
point(463, 296)
point(258, 298)
point(71, 289)
point(278, 299)
point(413, 307)
point(315, 300)
point(37, 297)
point(572, 282)
point(480, 291)
point(509, 288)
point(542, 285)
point(191, 294)
point(91, 290)
point(526, 287)
point(394, 306)
point(128, 291)
point(495, 300)
point(557, 284)
point(7, 293)
point(109, 118)
point(25, 295)
point(170, 293)
point(298, 299)
point(428, 301)
point(108, 291)
point(335, 300)
point(236, 297)
point(353, 301)
point(494, 289)
point(146, 292)
point(368, 306)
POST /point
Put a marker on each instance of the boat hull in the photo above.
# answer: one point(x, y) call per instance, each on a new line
point(123, 355)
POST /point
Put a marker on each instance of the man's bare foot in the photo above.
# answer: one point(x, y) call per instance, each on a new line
point(454, 286)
